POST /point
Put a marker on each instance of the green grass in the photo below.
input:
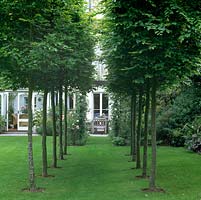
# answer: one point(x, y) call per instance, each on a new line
point(97, 171)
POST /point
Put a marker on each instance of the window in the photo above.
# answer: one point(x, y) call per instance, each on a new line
point(105, 104)
point(71, 102)
point(100, 105)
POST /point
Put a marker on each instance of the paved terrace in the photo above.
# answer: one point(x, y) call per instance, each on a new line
point(35, 134)
point(17, 134)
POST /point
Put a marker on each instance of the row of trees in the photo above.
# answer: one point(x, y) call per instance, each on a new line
point(148, 46)
point(46, 46)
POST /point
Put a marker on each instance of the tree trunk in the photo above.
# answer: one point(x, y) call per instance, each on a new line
point(61, 157)
point(152, 185)
point(138, 157)
point(57, 101)
point(133, 118)
point(32, 184)
point(116, 118)
point(131, 146)
point(146, 119)
point(54, 130)
point(44, 135)
point(66, 123)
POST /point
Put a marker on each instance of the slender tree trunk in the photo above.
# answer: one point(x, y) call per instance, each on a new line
point(54, 130)
point(133, 141)
point(60, 124)
point(152, 185)
point(56, 95)
point(32, 184)
point(132, 144)
point(44, 135)
point(138, 157)
point(66, 122)
point(146, 119)
point(117, 121)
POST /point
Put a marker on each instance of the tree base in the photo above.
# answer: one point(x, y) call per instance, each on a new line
point(33, 190)
point(131, 161)
point(57, 167)
point(133, 168)
point(67, 154)
point(48, 176)
point(142, 177)
point(153, 190)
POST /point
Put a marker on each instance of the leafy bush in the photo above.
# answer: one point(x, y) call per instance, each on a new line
point(77, 128)
point(193, 135)
point(193, 143)
point(37, 122)
point(119, 141)
point(2, 124)
point(39, 129)
point(120, 122)
point(172, 117)
point(75, 138)
point(37, 118)
point(177, 138)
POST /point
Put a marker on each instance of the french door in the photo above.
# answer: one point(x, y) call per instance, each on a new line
point(22, 123)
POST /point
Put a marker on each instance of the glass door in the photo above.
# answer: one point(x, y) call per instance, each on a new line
point(22, 112)
point(37, 102)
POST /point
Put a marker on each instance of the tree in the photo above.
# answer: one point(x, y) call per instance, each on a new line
point(157, 38)
point(26, 31)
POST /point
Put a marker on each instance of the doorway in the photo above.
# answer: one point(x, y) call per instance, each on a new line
point(22, 114)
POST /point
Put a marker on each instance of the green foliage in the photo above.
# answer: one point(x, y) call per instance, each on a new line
point(46, 47)
point(77, 128)
point(120, 122)
point(77, 122)
point(177, 138)
point(193, 135)
point(193, 143)
point(179, 111)
point(119, 141)
point(39, 129)
point(37, 122)
point(150, 39)
point(37, 118)
point(2, 124)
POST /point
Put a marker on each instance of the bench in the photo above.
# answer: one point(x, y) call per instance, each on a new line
point(99, 126)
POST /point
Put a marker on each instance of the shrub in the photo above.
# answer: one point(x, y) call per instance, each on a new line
point(193, 143)
point(77, 127)
point(177, 138)
point(2, 124)
point(193, 135)
point(39, 129)
point(172, 117)
point(76, 135)
point(37, 118)
point(119, 141)
point(120, 122)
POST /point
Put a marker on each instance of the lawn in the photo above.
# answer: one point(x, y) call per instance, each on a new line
point(97, 171)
